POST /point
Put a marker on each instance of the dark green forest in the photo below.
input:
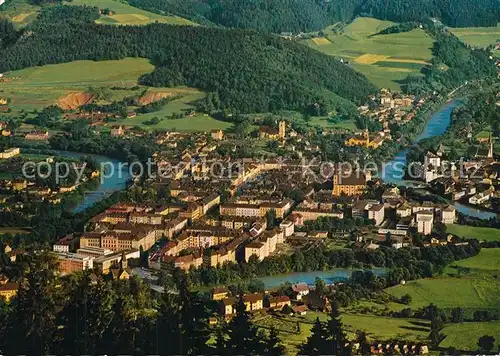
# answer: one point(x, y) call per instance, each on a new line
point(454, 13)
point(296, 16)
point(251, 72)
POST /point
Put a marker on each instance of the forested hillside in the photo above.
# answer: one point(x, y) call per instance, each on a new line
point(454, 13)
point(453, 64)
point(264, 15)
point(312, 15)
point(250, 72)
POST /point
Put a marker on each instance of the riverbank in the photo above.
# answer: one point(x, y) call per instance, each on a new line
point(437, 125)
point(108, 183)
point(330, 277)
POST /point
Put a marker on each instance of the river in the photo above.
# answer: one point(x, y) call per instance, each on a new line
point(115, 181)
point(331, 276)
point(436, 126)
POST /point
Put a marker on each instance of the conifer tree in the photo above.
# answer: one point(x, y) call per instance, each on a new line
point(243, 338)
point(273, 344)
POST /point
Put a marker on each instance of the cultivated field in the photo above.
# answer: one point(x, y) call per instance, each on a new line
point(125, 14)
point(478, 36)
point(481, 233)
point(384, 59)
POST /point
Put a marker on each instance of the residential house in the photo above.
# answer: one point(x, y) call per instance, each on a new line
point(219, 293)
point(279, 302)
point(8, 290)
point(300, 290)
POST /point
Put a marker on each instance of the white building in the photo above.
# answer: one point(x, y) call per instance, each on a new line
point(288, 227)
point(425, 221)
point(448, 215)
point(376, 212)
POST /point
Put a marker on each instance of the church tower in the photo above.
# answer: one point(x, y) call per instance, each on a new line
point(282, 129)
point(490, 150)
point(124, 261)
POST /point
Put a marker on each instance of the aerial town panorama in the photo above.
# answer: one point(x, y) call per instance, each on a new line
point(265, 177)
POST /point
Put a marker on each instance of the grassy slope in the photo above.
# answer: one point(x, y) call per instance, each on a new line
point(19, 12)
point(37, 87)
point(407, 51)
point(464, 336)
point(481, 233)
point(22, 13)
point(448, 292)
point(487, 261)
point(129, 15)
point(377, 328)
point(478, 36)
point(477, 289)
point(196, 123)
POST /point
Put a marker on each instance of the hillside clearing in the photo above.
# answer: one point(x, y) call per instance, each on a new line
point(124, 14)
point(478, 36)
point(38, 87)
point(185, 103)
point(357, 44)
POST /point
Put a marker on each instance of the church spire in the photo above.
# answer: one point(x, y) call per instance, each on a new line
point(490, 150)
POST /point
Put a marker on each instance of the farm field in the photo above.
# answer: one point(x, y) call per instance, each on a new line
point(481, 233)
point(478, 36)
point(384, 59)
point(377, 328)
point(464, 336)
point(37, 87)
point(125, 14)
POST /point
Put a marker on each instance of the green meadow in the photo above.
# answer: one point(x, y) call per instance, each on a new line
point(478, 36)
point(481, 233)
point(471, 284)
point(464, 336)
point(449, 292)
point(38, 87)
point(384, 59)
point(377, 327)
point(487, 260)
